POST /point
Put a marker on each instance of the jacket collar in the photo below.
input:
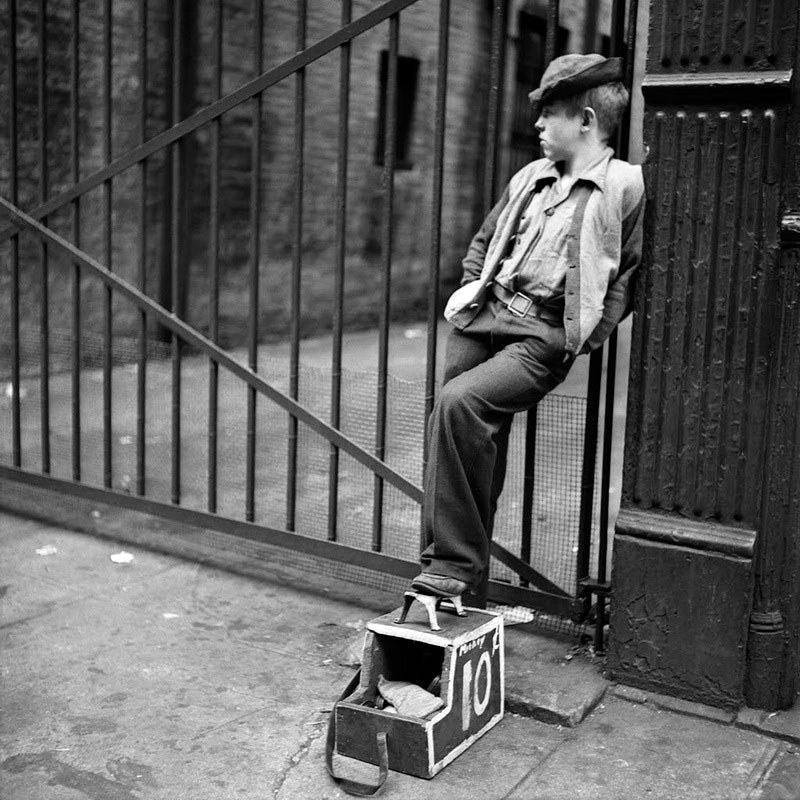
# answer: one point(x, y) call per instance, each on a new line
point(594, 172)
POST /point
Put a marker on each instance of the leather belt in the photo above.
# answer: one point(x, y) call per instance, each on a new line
point(520, 305)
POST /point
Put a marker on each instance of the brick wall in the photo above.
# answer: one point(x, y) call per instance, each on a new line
point(365, 193)
point(462, 200)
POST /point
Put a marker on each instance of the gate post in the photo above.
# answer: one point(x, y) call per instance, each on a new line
point(704, 597)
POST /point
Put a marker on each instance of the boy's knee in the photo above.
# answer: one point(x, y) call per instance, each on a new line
point(458, 401)
point(453, 395)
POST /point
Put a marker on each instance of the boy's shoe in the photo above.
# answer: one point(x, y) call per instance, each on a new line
point(439, 585)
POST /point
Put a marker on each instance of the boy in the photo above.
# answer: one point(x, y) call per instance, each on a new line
point(548, 276)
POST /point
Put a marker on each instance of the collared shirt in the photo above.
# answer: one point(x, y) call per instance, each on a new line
point(537, 262)
point(606, 239)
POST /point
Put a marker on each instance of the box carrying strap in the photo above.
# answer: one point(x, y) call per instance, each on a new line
point(350, 786)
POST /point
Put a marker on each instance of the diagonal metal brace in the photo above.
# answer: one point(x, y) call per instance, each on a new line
point(214, 352)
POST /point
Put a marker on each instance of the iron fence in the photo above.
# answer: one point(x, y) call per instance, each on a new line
point(343, 461)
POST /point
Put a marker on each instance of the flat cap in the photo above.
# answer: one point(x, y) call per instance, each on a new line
point(575, 73)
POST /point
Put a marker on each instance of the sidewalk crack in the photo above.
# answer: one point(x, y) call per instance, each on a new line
point(763, 768)
point(294, 761)
point(539, 764)
point(229, 722)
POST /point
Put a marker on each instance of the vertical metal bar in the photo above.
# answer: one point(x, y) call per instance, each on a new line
point(605, 486)
point(623, 137)
point(341, 254)
point(553, 13)
point(630, 46)
point(255, 259)
point(213, 269)
point(436, 206)
point(529, 474)
point(76, 239)
point(436, 221)
point(618, 41)
point(16, 446)
point(496, 74)
point(13, 153)
point(588, 468)
point(528, 483)
point(389, 164)
point(618, 47)
point(176, 248)
point(44, 319)
point(107, 252)
point(591, 428)
point(590, 26)
point(141, 360)
point(297, 264)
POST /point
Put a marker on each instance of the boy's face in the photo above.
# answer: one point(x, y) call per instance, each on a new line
point(559, 131)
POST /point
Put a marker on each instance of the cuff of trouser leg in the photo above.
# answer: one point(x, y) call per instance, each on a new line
point(450, 571)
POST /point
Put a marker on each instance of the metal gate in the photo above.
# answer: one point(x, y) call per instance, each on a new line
point(118, 390)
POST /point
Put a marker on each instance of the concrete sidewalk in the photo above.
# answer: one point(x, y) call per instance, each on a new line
point(165, 679)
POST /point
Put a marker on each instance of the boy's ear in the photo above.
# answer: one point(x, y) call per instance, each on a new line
point(588, 117)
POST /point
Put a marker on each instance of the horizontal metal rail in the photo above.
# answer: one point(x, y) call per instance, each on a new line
point(499, 591)
point(298, 542)
point(217, 354)
point(218, 108)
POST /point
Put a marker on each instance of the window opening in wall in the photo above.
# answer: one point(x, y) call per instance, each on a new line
point(407, 78)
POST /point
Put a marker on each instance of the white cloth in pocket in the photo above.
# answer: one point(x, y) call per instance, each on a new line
point(461, 298)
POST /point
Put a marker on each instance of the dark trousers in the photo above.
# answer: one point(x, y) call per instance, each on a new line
point(496, 367)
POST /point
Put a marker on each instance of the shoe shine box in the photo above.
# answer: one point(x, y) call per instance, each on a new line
point(463, 663)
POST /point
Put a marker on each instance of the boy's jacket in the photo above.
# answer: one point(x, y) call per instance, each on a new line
point(602, 255)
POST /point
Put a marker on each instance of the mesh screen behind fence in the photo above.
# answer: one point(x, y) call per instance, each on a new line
point(559, 447)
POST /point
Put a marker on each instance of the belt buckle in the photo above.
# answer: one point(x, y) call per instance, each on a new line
point(513, 305)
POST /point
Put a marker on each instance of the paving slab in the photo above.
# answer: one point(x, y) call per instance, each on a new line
point(168, 678)
point(158, 678)
point(546, 681)
point(626, 751)
point(666, 702)
point(785, 724)
point(781, 781)
point(489, 770)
